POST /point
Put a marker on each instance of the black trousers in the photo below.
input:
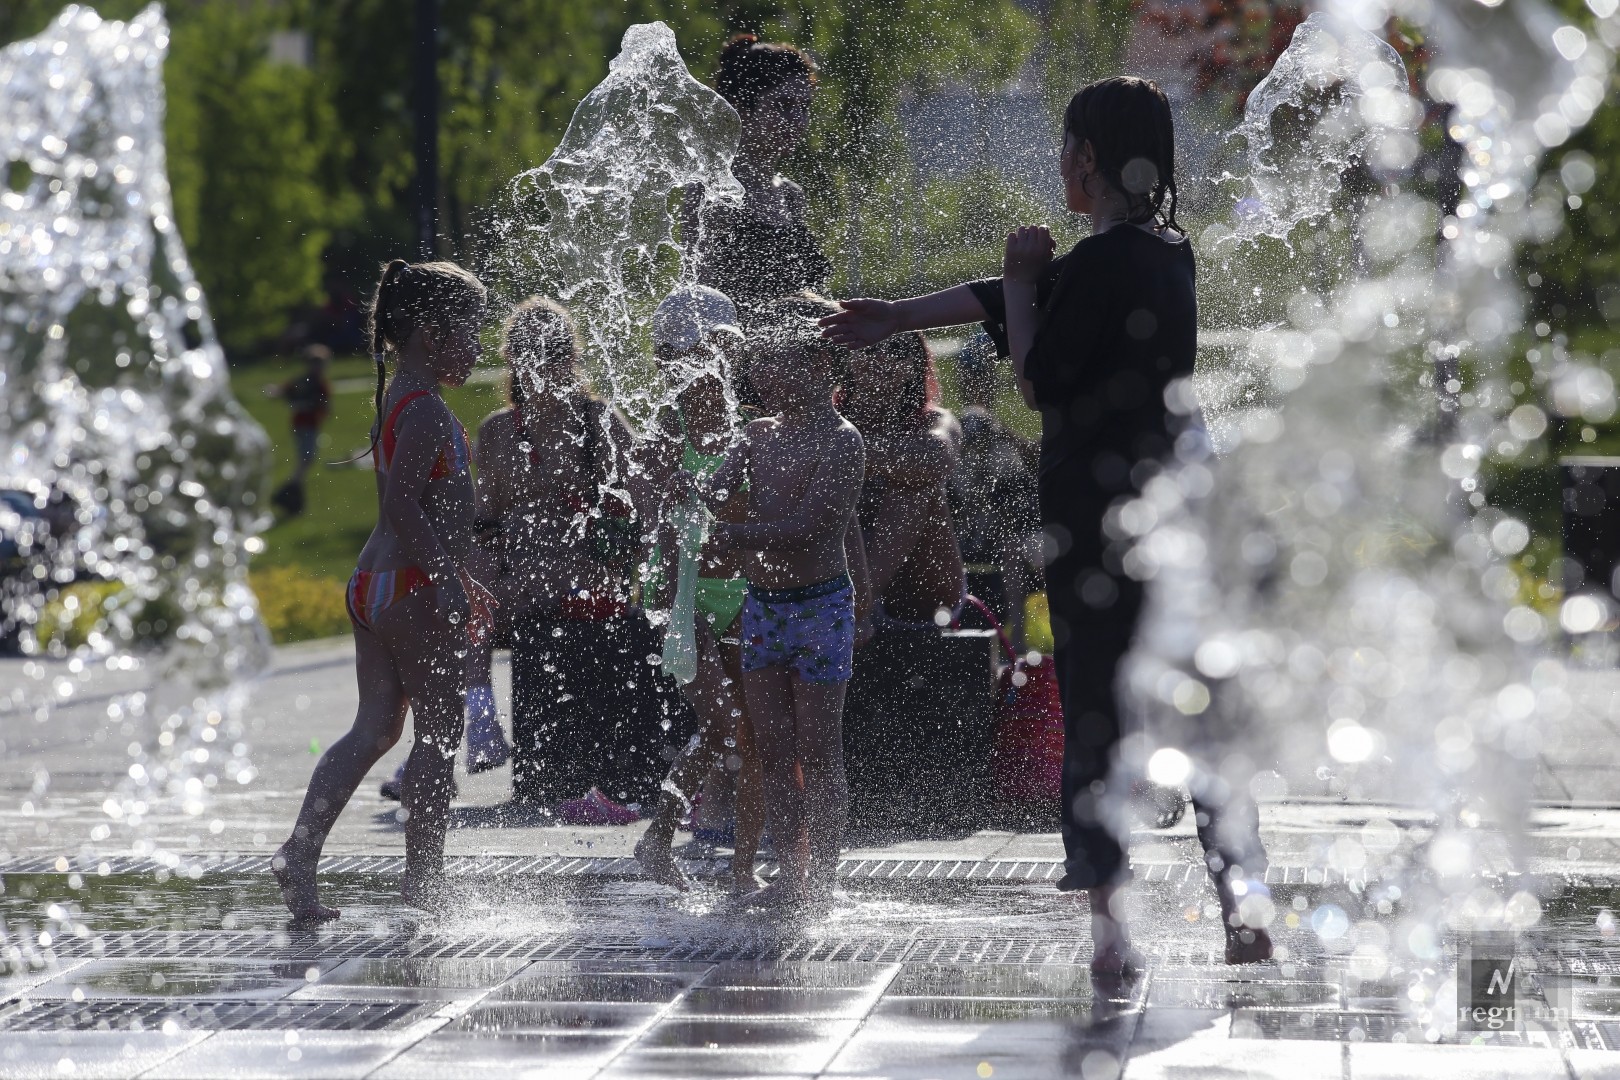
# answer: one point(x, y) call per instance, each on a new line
point(589, 710)
point(1094, 619)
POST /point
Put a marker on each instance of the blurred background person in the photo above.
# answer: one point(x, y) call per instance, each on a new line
point(891, 395)
point(309, 401)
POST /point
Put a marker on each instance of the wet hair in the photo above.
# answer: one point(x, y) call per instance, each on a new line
point(789, 322)
point(751, 68)
point(536, 331)
point(410, 296)
point(1128, 123)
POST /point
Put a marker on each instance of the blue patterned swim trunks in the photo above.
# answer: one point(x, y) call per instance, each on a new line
point(811, 629)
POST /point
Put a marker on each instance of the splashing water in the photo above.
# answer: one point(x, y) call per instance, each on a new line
point(594, 225)
point(1328, 103)
point(117, 403)
point(1328, 594)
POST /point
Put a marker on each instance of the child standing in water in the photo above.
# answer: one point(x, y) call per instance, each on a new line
point(413, 606)
point(1096, 337)
point(693, 329)
point(807, 590)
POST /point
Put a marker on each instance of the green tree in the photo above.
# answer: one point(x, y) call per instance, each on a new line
point(246, 140)
point(247, 137)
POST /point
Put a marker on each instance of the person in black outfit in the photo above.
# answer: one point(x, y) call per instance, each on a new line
point(1096, 337)
point(763, 249)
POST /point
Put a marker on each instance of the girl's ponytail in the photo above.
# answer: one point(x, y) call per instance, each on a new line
point(410, 295)
point(380, 306)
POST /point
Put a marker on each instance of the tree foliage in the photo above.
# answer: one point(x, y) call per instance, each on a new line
point(280, 172)
point(247, 139)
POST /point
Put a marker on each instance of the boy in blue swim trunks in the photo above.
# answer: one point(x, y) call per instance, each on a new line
point(807, 593)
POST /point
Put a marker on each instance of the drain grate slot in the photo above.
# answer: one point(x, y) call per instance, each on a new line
point(222, 1015)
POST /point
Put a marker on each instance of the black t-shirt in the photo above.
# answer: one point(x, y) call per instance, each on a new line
point(1120, 323)
point(754, 259)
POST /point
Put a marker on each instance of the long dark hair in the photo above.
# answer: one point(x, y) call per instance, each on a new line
point(1128, 123)
point(751, 68)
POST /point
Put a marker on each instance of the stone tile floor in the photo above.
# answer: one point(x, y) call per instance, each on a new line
point(947, 955)
point(598, 975)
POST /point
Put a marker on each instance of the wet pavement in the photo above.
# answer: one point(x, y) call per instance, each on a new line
point(947, 953)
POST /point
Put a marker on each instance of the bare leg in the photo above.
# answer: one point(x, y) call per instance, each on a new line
point(430, 657)
point(750, 791)
point(818, 710)
point(769, 693)
point(716, 700)
point(1244, 944)
point(377, 727)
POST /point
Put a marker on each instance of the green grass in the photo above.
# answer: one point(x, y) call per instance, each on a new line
point(341, 500)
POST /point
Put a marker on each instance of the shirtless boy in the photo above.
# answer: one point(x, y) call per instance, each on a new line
point(807, 591)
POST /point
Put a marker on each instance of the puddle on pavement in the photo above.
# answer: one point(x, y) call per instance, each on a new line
point(237, 979)
point(556, 1016)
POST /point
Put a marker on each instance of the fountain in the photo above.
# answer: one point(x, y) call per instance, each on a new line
point(117, 401)
point(1329, 592)
point(595, 225)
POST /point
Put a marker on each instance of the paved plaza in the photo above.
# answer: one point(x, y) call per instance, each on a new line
point(945, 955)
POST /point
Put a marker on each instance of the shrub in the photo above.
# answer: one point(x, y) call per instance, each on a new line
point(297, 606)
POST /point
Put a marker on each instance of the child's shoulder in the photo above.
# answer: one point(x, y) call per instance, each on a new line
point(498, 421)
point(761, 426)
point(846, 437)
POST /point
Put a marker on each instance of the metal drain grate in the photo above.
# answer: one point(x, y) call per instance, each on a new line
point(144, 1015)
point(1183, 875)
point(292, 948)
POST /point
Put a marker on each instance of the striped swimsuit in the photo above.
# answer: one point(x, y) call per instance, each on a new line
point(372, 592)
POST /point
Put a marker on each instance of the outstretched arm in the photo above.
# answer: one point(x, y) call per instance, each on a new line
point(865, 322)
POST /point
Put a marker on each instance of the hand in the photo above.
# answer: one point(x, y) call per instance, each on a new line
point(1029, 252)
point(862, 323)
point(723, 538)
point(483, 605)
point(454, 606)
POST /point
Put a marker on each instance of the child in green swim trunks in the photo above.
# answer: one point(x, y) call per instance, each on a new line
point(694, 329)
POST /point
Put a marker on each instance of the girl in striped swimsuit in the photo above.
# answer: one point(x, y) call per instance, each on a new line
point(412, 605)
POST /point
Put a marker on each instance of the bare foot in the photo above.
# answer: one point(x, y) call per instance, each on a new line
point(294, 864)
point(426, 891)
point(1245, 945)
point(783, 894)
point(744, 884)
point(658, 863)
